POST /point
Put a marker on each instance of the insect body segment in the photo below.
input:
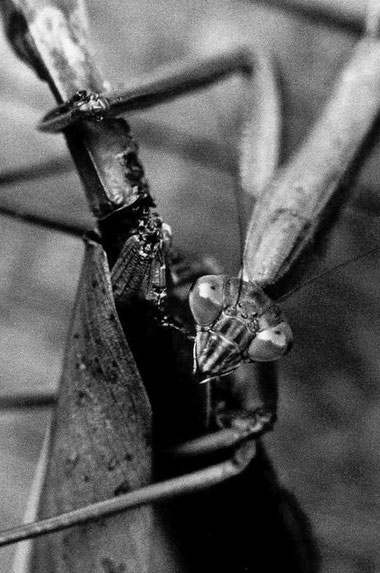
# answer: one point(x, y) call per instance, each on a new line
point(236, 321)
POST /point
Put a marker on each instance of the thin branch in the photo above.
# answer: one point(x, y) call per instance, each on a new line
point(159, 492)
point(24, 401)
point(51, 224)
point(210, 443)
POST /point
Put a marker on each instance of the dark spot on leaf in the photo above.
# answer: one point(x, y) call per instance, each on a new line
point(109, 566)
point(81, 396)
point(122, 488)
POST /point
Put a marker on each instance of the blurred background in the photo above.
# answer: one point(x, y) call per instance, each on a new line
point(326, 444)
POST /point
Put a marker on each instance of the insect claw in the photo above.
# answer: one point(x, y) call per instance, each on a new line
point(83, 105)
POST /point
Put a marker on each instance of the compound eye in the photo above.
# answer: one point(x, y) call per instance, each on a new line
point(206, 299)
point(271, 343)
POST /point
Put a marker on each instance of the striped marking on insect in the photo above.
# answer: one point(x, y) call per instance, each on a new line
point(235, 322)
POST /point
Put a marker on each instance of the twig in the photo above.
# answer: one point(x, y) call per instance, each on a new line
point(227, 438)
point(53, 225)
point(33, 400)
point(160, 492)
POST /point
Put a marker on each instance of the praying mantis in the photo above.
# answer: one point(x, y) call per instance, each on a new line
point(265, 259)
point(289, 205)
